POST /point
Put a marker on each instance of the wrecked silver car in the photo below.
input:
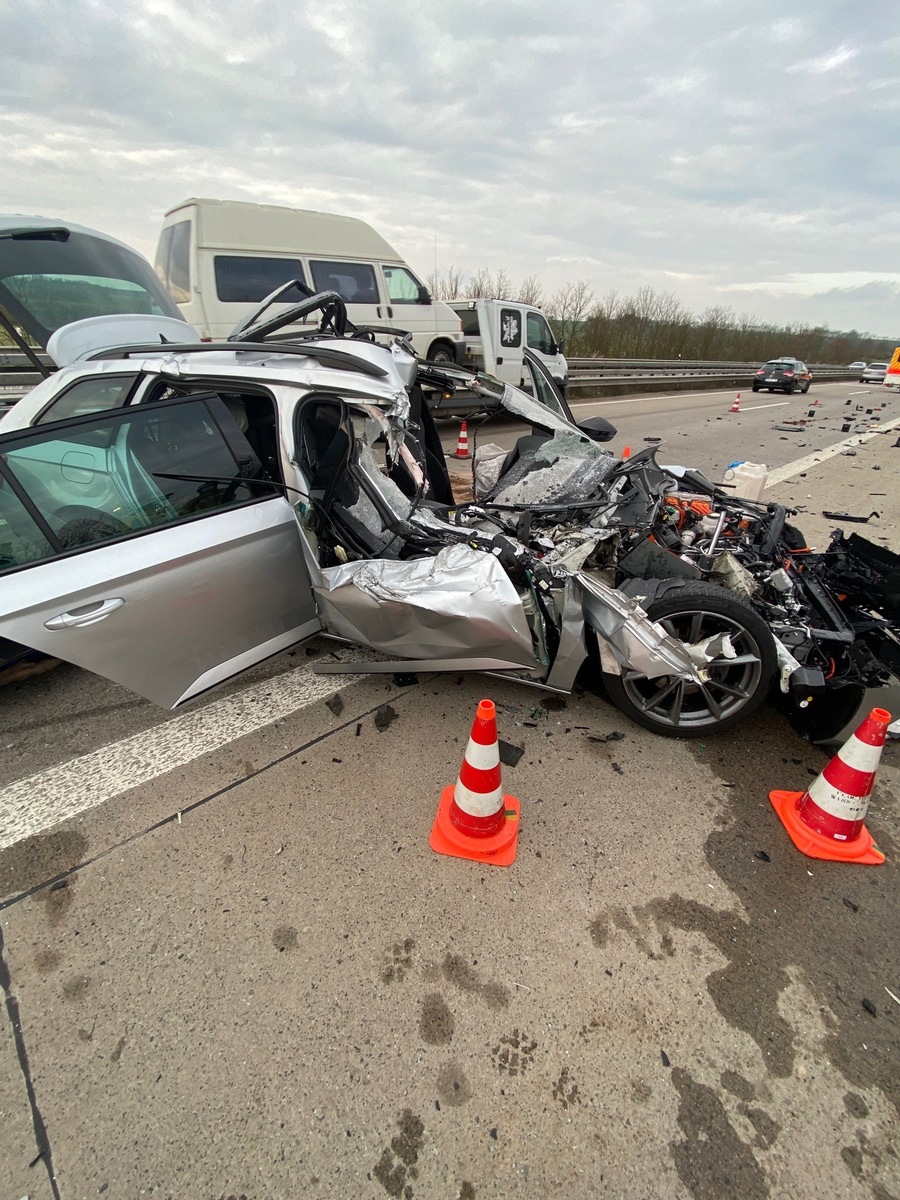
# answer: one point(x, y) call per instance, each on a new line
point(171, 515)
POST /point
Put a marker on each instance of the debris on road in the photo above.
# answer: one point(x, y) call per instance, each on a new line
point(384, 716)
point(869, 1006)
point(845, 516)
point(510, 754)
point(335, 704)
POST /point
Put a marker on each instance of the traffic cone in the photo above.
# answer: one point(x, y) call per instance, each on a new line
point(736, 404)
point(462, 442)
point(475, 819)
point(626, 452)
point(826, 821)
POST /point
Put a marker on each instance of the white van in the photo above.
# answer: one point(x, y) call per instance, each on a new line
point(219, 258)
point(496, 333)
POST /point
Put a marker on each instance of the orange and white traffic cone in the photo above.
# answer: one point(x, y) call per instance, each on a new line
point(462, 442)
point(826, 821)
point(626, 452)
point(475, 819)
point(736, 403)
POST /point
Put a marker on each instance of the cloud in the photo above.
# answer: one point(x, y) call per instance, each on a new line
point(628, 144)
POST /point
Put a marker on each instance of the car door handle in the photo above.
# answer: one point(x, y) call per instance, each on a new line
point(378, 310)
point(86, 615)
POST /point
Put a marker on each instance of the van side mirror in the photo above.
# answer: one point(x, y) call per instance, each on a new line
point(598, 429)
point(424, 294)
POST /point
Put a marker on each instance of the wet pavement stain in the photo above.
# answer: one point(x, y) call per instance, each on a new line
point(436, 1023)
point(47, 960)
point(457, 971)
point(76, 987)
point(832, 925)
point(453, 1085)
point(712, 1161)
point(37, 859)
point(466, 1191)
point(398, 960)
point(767, 1130)
point(396, 1170)
point(565, 1091)
point(284, 937)
point(515, 1053)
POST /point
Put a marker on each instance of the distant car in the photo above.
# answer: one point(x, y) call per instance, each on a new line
point(857, 366)
point(873, 373)
point(787, 374)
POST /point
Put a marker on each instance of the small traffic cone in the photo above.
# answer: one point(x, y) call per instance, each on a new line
point(736, 404)
point(626, 452)
point(826, 821)
point(475, 820)
point(462, 442)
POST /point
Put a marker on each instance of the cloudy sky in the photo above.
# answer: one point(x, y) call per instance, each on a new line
point(737, 152)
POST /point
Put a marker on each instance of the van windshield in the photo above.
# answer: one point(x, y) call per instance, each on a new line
point(46, 281)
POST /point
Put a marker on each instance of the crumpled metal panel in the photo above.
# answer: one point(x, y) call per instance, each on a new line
point(564, 469)
point(459, 604)
point(634, 641)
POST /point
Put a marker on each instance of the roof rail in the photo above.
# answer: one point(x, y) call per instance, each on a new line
point(326, 355)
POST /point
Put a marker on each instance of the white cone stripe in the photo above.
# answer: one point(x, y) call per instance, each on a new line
point(837, 803)
point(482, 758)
point(478, 804)
point(859, 755)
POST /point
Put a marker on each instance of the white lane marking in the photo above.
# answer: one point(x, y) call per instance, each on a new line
point(777, 404)
point(812, 460)
point(31, 806)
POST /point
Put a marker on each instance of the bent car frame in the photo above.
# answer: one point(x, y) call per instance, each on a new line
point(173, 514)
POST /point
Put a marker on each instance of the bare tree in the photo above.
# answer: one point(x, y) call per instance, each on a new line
point(502, 286)
point(566, 310)
point(531, 291)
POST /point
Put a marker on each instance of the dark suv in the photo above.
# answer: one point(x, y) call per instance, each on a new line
point(788, 374)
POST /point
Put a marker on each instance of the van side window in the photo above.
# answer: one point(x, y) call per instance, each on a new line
point(244, 280)
point(173, 261)
point(402, 285)
point(538, 334)
point(354, 282)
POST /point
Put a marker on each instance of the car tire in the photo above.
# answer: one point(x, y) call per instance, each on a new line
point(734, 691)
point(789, 390)
point(440, 352)
point(804, 390)
point(755, 387)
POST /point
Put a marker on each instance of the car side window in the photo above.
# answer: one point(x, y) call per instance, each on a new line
point(21, 538)
point(123, 474)
point(97, 394)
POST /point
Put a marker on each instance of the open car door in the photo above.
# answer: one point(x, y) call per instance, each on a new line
point(146, 544)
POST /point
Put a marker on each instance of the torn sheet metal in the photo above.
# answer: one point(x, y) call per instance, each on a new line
point(787, 665)
point(459, 604)
point(632, 640)
point(719, 645)
point(564, 469)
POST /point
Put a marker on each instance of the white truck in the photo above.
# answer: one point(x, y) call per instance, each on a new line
point(219, 258)
point(497, 332)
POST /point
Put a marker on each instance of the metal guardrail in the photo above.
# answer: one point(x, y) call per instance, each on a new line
point(622, 372)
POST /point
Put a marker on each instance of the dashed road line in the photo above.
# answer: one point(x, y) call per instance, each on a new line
point(818, 456)
point(31, 806)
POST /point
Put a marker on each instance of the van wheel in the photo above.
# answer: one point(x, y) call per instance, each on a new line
point(441, 352)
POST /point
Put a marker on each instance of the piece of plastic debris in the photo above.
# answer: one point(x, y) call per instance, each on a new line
point(615, 736)
point(892, 996)
point(384, 716)
point(665, 1058)
point(869, 1006)
point(845, 516)
point(853, 907)
point(335, 704)
point(618, 770)
point(510, 754)
point(761, 855)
